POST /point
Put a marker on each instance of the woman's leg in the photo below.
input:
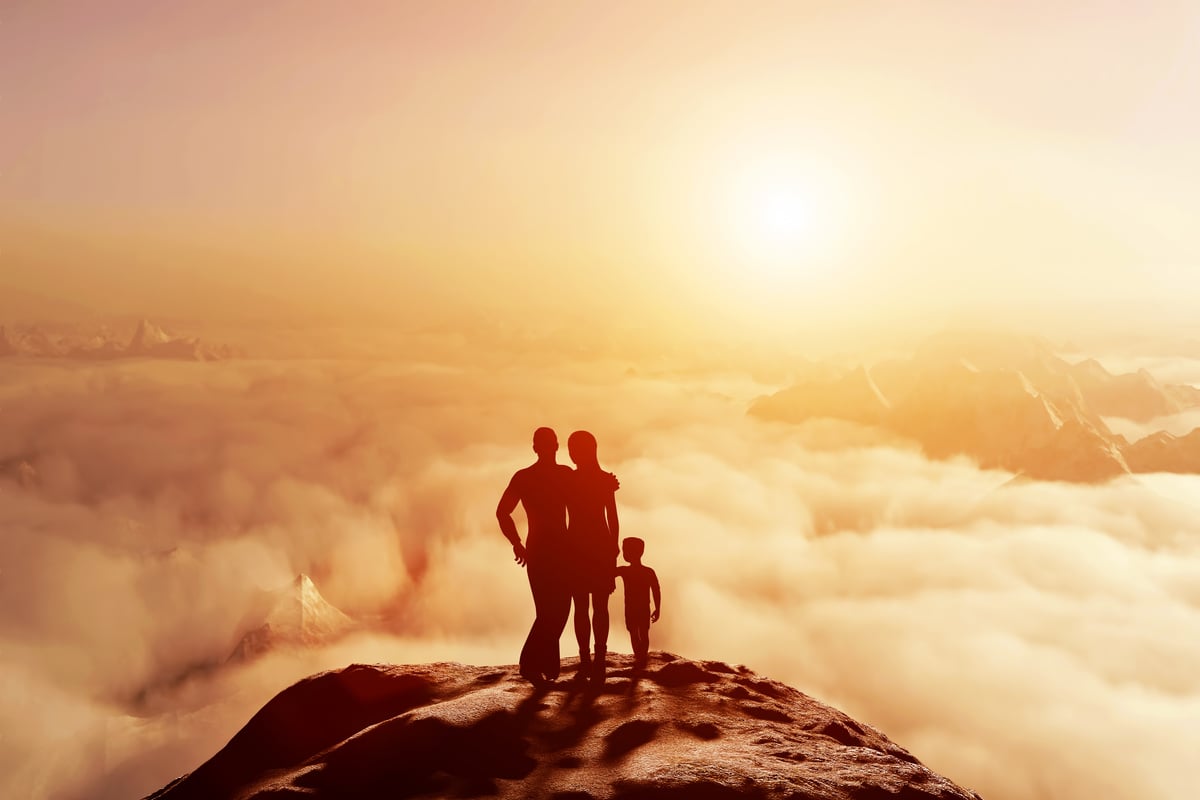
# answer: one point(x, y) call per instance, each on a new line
point(583, 626)
point(600, 619)
point(600, 630)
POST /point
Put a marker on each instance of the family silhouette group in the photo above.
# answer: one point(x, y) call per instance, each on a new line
point(570, 555)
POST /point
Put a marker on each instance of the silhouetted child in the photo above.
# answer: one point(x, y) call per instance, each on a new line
point(640, 584)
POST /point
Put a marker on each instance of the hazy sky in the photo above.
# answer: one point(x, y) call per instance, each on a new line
point(749, 161)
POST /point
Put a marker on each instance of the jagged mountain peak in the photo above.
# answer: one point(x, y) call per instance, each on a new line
point(147, 336)
point(295, 614)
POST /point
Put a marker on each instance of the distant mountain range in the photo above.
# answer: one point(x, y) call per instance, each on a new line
point(1008, 402)
point(147, 341)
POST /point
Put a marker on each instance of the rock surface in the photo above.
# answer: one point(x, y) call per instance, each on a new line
point(678, 729)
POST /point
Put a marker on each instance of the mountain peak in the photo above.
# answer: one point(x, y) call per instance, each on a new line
point(147, 337)
point(678, 729)
point(296, 614)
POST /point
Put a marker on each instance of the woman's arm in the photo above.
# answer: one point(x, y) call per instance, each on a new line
point(614, 524)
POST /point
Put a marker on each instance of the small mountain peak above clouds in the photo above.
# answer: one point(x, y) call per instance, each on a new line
point(147, 337)
point(1164, 452)
point(852, 395)
point(984, 351)
point(151, 341)
point(678, 729)
point(1138, 396)
point(1091, 368)
point(297, 614)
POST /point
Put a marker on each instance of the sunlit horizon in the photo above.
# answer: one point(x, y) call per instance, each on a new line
point(856, 164)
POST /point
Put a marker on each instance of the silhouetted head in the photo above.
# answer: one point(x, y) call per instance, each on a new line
point(545, 442)
point(633, 548)
point(581, 446)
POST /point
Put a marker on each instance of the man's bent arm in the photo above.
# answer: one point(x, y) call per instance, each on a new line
point(504, 509)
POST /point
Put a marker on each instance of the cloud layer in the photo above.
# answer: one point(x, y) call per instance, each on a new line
point(1027, 640)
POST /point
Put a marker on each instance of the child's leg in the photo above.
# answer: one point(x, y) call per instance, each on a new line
point(639, 637)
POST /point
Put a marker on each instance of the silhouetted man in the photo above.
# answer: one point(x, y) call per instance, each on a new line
point(542, 489)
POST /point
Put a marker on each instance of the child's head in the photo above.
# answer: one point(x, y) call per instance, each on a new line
point(633, 548)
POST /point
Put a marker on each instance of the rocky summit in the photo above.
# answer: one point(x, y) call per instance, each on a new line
point(678, 730)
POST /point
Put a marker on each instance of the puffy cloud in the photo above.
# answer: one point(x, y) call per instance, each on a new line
point(1026, 639)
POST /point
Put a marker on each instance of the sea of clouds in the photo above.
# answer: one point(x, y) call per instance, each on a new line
point(1028, 640)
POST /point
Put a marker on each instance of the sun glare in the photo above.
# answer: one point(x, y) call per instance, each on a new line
point(776, 221)
point(778, 218)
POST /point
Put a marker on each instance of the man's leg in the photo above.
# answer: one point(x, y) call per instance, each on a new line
point(531, 652)
point(539, 656)
point(531, 655)
point(556, 613)
point(553, 609)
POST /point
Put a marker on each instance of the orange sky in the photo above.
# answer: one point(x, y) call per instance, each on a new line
point(430, 159)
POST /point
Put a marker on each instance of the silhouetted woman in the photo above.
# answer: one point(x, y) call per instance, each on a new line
point(592, 530)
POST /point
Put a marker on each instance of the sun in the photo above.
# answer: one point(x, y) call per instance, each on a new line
point(764, 231)
point(774, 221)
point(776, 227)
